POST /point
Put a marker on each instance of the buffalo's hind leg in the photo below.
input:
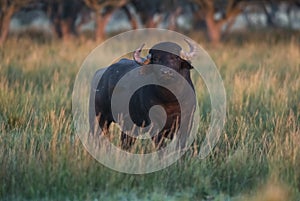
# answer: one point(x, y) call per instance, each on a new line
point(158, 141)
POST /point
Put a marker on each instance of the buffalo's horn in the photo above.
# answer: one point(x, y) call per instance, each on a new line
point(188, 55)
point(140, 60)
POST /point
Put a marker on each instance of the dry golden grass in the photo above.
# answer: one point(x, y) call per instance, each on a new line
point(42, 158)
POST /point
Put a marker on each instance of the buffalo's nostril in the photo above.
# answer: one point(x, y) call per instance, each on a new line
point(163, 71)
point(168, 72)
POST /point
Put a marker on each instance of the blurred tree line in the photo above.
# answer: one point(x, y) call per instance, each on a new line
point(216, 17)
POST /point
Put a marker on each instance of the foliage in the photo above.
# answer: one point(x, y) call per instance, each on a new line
point(7, 9)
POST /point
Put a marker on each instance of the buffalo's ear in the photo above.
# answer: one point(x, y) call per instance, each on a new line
point(186, 64)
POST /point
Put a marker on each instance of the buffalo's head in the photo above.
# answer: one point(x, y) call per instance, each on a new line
point(167, 54)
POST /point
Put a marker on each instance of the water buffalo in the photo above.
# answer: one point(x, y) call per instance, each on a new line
point(166, 54)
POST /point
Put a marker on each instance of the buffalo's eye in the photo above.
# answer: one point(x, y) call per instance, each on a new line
point(173, 58)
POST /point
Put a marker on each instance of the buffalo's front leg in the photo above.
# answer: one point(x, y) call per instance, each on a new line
point(126, 141)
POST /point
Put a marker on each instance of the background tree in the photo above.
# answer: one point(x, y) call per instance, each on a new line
point(227, 10)
point(272, 7)
point(215, 16)
point(63, 15)
point(149, 11)
point(7, 10)
point(103, 10)
point(172, 10)
point(131, 15)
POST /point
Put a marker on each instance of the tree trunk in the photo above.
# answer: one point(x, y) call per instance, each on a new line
point(63, 16)
point(150, 23)
point(270, 15)
point(68, 29)
point(131, 18)
point(101, 22)
point(65, 30)
point(56, 28)
point(213, 29)
point(134, 23)
point(172, 19)
point(153, 23)
point(4, 23)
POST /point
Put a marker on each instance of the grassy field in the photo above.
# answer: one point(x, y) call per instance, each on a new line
point(257, 157)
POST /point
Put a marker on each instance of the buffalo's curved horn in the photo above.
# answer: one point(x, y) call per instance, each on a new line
point(188, 55)
point(137, 57)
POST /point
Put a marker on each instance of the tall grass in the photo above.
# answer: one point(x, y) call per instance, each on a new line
point(42, 158)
